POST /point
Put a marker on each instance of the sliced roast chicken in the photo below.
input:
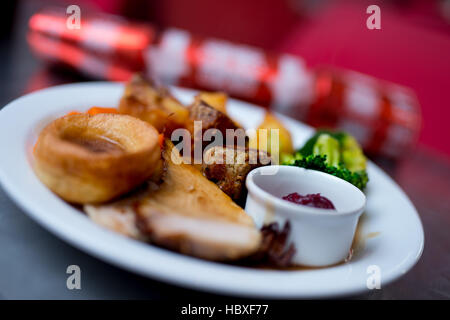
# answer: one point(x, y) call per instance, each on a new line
point(119, 216)
point(186, 212)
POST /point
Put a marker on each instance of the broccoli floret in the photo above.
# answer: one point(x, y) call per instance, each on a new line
point(319, 163)
point(308, 148)
point(289, 159)
point(352, 154)
point(327, 146)
point(335, 153)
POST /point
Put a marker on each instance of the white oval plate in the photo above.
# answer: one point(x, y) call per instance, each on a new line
point(390, 213)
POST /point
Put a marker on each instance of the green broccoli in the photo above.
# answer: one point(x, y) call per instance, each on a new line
point(327, 146)
point(335, 153)
point(352, 154)
point(307, 149)
point(319, 163)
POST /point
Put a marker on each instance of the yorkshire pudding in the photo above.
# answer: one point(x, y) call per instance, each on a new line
point(93, 159)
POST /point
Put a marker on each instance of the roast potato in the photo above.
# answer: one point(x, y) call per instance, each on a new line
point(155, 105)
point(217, 100)
point(262, 141)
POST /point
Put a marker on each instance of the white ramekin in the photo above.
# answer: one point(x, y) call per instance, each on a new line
point(321, 237)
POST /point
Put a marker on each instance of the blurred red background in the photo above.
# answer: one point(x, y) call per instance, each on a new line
point(412, 48)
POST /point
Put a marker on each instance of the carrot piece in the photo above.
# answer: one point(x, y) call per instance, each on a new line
point(161, 140)
point(72, 113)
point(96, 110)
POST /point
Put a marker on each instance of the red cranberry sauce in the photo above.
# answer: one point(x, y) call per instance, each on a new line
point(311, 200)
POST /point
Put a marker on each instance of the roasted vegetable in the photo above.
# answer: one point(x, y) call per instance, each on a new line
point(318, 162)
point(210, 117)
point(217, 100)
point(211, 120)
point(336, 153)
point(329, 147)
point(263, 137)
point(155, 105)
point(352, 154)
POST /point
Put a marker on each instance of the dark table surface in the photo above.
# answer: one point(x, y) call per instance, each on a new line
point(33, 262)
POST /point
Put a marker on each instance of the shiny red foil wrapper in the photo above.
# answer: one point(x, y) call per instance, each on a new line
point(384, 117)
